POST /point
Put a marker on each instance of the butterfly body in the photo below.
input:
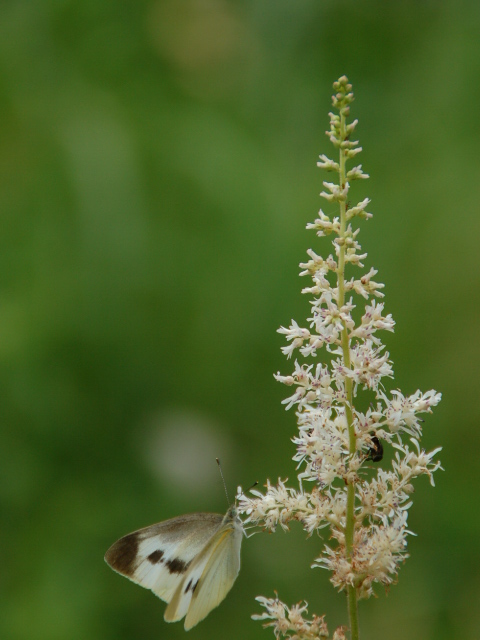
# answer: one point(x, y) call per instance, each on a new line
point(190, 561)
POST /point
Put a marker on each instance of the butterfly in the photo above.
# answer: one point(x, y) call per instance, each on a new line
point(190, 561)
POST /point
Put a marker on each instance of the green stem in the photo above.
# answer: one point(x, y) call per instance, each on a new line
point(345, 341)
point(353, 612)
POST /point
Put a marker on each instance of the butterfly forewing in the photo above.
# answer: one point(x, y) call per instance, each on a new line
point(159, 556)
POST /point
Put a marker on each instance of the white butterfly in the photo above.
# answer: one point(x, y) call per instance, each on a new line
point(191, 561)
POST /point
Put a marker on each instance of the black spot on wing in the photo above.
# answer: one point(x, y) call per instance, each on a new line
point(155, 557)
point(175, 565)
point(191, 586)
point(122, 555)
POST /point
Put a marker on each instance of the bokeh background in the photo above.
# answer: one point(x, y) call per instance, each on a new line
point(157, 171)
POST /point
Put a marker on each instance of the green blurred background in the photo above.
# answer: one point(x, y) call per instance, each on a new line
point(157, 171)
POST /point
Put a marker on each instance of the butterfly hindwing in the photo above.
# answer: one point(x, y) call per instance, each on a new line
point(158, 557)
point(210, 576)
point(180, 601)
point(218, 577)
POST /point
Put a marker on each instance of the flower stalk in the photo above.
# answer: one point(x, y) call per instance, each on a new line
point(345, 340)
point(363, 510)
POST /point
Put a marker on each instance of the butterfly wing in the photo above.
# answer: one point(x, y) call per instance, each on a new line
point(159, 556)
point(217, 579)
point(210, 576)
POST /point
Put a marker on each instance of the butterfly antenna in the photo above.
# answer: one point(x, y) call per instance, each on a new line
point(223, 480)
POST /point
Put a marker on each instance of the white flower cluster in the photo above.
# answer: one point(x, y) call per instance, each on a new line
point(290, 623)
point(336, 444)
point(377, 551)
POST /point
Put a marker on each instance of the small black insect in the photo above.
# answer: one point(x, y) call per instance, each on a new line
point(375, 451)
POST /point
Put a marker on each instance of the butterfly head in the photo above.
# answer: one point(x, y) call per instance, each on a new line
point(232, 517)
